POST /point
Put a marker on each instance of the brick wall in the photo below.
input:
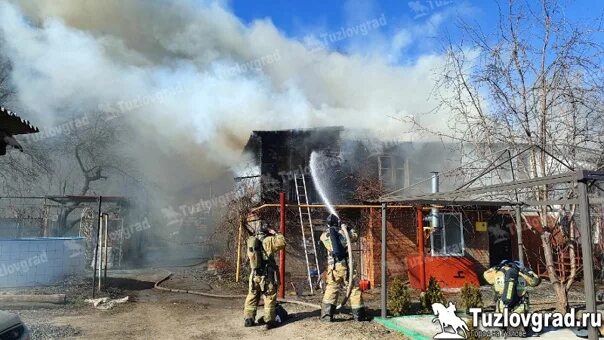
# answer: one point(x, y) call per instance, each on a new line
point(402, 241)
point(476, 242)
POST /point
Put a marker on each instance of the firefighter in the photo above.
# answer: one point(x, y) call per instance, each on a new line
point(264, 275)
point(336, 244)
point(509, 280)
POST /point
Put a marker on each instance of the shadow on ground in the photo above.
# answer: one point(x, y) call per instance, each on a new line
point(293, 317)
point(343, 316)
point(129, 284)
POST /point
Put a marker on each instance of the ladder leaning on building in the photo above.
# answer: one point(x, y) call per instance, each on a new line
point(308, 234)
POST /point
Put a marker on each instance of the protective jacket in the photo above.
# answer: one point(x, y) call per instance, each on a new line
point(337, 271)
point(265, 279)
point(327, 242)
point(267, 266)
point(510, 280)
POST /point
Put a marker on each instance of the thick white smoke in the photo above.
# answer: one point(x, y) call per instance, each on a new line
point(191, 72)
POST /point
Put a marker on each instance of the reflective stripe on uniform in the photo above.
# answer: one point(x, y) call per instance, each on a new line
point(337, 277)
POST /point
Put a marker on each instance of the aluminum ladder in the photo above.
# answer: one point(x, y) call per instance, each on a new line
point(310, 246)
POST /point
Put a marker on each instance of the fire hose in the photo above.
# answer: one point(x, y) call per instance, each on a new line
point(220, 296)
point(350, 267)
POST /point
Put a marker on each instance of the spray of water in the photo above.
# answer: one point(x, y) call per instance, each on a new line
point(317, 181)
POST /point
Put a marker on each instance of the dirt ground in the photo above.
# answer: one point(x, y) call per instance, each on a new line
point(153, 314)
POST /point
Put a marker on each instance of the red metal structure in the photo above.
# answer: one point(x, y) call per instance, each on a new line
point(281, 292)
point(449, 271)
point(421, 248)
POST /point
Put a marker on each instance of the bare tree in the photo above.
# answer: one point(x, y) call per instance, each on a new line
point(535, 84)
point(6, 89)
point(88, 157)
point(72, 163)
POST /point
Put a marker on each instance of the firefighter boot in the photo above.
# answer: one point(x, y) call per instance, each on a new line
point(327, 311)
point(359, 314)
point(249, 322)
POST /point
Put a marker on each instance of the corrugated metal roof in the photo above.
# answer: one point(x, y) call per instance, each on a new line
point(312, 129)
point(15, 125)
point(87, 199)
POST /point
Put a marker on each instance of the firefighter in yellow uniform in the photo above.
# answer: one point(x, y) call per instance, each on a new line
point(336, 244)
point(264, 275)
point(509, 280)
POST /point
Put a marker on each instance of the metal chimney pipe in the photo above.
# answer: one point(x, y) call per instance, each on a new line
point(434, 213)
point(434, 181)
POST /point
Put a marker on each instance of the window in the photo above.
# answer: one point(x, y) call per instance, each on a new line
point(447, 239)
point(386, 170)
point(393, 172)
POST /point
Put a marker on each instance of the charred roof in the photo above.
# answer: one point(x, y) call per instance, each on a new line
point(323, 137)
point(292, 147)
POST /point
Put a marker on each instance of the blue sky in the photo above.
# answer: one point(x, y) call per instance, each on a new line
point(298, 19)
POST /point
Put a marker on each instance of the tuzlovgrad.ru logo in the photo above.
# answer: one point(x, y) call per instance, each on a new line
point(491, 324)
point(535, 321)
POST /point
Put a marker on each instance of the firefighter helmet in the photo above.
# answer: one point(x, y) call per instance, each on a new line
point(333, 220)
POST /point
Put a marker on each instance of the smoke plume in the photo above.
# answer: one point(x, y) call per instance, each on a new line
point(190, 74)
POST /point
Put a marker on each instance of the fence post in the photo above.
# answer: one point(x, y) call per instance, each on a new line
point(587, 252)
point(384, 283)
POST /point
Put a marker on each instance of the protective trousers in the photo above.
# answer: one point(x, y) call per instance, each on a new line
point(337, 276)
point(260, 285)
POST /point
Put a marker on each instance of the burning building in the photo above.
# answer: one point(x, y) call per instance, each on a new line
point(457, 240)
point(356, 172)
point(272, 159)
